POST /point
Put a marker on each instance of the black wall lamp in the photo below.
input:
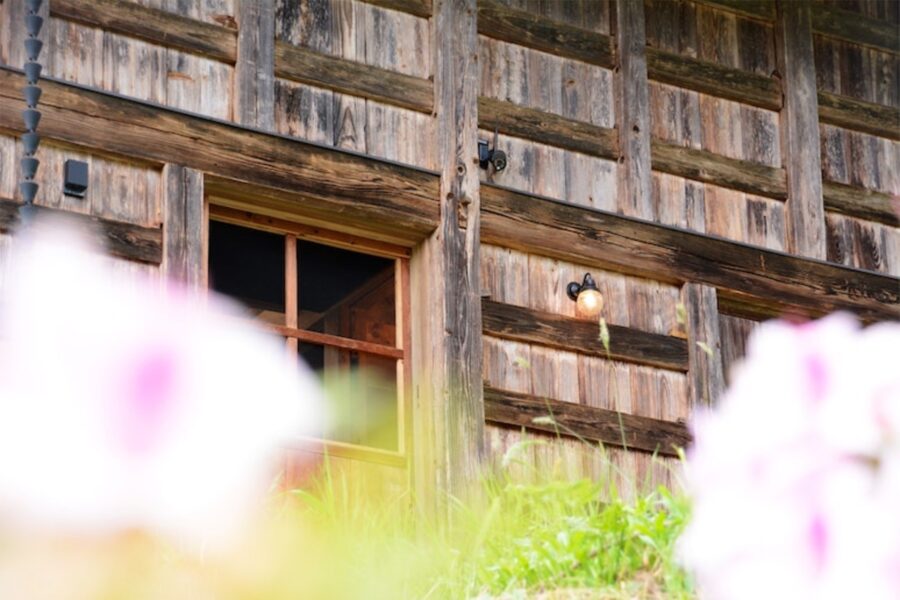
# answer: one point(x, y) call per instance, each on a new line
point(586, 296)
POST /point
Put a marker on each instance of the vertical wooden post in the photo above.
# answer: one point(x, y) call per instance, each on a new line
point(291, 290)
point(706, 378)
point(185, 226)
point(254, 74)
point(805, 212)
point(633, 111)
point(449, 413)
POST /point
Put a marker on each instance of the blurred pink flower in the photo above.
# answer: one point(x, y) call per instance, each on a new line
point(124, 407)
point(795, 474)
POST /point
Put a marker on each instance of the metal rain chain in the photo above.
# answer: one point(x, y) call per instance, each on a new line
point(31, 116)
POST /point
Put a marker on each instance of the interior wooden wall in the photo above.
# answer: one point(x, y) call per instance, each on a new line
point(583, 92)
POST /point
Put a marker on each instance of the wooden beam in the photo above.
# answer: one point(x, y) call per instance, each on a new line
point(529, 326)
point(302, 231)
point(732, 173)
point(151, 25)
point(633, 112)
point(326, 339)
point(254, 75)
point(855, 28)
point(185, 225)
point(868, 117)
point(449, 442)
point(125, 240)
point(713, 79)
point(859, 202)
point(531, 30)
point(419, 8)
point(804, 211)
point(587, 422)
point(740, 272)
point(756, 9)
point(314, 68)
point(547, 128)
point(706, 376)
point(313, 182)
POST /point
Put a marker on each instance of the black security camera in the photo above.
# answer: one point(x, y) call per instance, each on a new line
point(489, 155)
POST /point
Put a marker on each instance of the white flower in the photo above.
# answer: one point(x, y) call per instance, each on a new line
point(795, 475)
point(123, 407)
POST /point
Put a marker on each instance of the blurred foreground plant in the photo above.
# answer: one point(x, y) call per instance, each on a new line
point(796, 475)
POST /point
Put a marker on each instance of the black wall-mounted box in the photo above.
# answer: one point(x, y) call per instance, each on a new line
point(75, 178)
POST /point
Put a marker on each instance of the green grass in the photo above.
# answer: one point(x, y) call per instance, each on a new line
point(543, 537)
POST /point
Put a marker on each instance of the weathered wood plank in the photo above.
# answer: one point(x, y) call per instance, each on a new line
point(732, 173)
point(804, 211)
point(576, 420)
point(706, 376)
point(762, 278)
point(855, 28)
point(419, 8)
point(126, 240)
point(633, 113)
point(547, 128)
point(713, 79)
point(323, 183)
point(540, 33)
point(506, 321)
point(184, 225)
point(349, 77)
point(758, 9)
point(860, 202)
point(451, 429)
point(152, 25)
point(254, 75)
point(868, 117)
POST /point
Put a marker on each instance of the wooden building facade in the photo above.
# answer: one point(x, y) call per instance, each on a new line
point(710, 162)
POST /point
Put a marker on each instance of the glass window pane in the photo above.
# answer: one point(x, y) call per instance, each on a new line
point(346, 293)
point(362, 394)
point(248, 265)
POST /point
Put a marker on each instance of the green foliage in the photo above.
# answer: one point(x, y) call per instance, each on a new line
point(519, 540)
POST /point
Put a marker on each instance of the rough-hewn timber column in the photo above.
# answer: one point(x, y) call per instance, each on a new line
point(805, 212)
point(706, 378)
point(633, 111)
point(183, 232)
point(254, 75)
point(449, 405)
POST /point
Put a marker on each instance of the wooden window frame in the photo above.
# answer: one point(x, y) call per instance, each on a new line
point(399, 352)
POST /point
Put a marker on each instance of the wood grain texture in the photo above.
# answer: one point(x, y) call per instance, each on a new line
point(763, 278)
point(859, 115)
point(506, 321)
point(184, 225)
point(125, 240)
point(314, 68)
point(759, 9)
point(856, 201)
point(714, 79)
point(855, 28)
point(452, 429)
point(336, 186)
point(547, 128)
point(701, 165)
point(706, 375)
point(633, 113)
point(254, 75)
point(152, 25)
point(588, 422)
point(419, 8)
point(805, 212)
point(547, 35)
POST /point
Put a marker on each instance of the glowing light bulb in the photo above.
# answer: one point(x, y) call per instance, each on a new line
point(590, 302)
